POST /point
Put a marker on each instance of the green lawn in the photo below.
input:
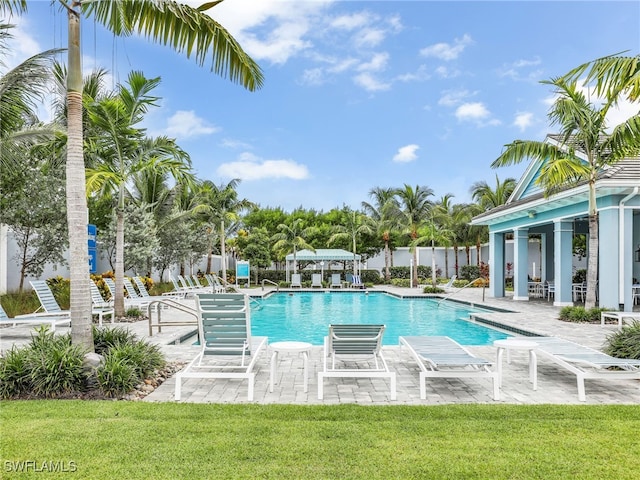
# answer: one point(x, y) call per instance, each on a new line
point(129, 440)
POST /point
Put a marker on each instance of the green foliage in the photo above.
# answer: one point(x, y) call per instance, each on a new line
point(61, 289)
point(49, 366)
point(579, 314)
point(469, 272)
point(580, 276)
point(107, 338)
point(116, 376)
point(19, 303)
point(134, 312)
point(430, 289)
point(401, 282)
point(424, 271)
point(625, 343)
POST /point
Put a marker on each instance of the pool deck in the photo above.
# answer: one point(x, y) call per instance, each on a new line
point(555, 385)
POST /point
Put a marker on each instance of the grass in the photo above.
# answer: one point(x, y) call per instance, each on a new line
point(167, 440)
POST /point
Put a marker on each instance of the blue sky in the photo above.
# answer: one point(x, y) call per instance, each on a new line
point(360, 94)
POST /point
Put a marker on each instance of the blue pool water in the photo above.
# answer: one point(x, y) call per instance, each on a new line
point(305, 316)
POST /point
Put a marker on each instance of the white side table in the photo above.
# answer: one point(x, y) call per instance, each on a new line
point(290, 347)
point(518, 344)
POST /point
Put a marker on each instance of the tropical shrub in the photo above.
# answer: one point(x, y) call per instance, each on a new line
point(469, 272)
point(625, 343)
point(430, 289)
point(579, 314)
point(401, 282)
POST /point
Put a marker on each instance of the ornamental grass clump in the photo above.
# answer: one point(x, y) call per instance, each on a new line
point(625, 343)
point(580, 315)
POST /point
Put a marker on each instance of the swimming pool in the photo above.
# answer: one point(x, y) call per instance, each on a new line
point(305, 316)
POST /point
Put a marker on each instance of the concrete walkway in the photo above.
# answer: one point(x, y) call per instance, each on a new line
point(555, 385)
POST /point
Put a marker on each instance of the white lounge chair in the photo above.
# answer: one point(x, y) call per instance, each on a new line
point(35, 319)
point(214, 283)
point(449, 285)
point(618, 317)
point(336, 281)
point(585, 362)
point(351, 344)
point(316, 280)
point(443, 357)
point(100, 306)
point(227, 349)
point(296, 280)
point(356, 282)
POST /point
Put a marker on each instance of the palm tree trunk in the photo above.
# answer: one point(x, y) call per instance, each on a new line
point(455, 253)
point(118, 303)
point(414, 274)
point(433, 265)
point(387, 258)
point(592, 262)
point(223, 251)
point(446, 261)
point(77, 211)
point(355, 270)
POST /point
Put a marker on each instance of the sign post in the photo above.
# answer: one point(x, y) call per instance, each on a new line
point(242, 271)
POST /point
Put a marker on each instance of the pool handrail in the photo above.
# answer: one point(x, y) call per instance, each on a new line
point(446, 297)
point(272, 283)
point(169, 303)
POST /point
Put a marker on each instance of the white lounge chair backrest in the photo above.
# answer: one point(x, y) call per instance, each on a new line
point(45, 295)
point(449, 284)
point(131, 291)
point(316, 280)
point(359, 345)
point(296, 280)
point(356, 281)
point(336, 280)
point(96, 296)
point(111, 286)
point(225, 323)
point(141, 287)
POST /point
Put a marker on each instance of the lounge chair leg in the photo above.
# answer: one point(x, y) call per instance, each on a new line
point(178, 387)
point(423, 387)
point(582, 396)
point(251, 377)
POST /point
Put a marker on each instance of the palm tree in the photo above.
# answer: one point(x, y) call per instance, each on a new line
point(431, 234)
point(415, 208)
point(291, 238)
point(187, 30)
point(121, 151)
point(458, 223)
point(219, 207)
point(443, 211)
point(383, 220)
point(355, 224)
point(488, 197)
point(583, 128)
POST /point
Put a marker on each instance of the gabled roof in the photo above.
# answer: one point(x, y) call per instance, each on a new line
point(619, 178)
point(321, 254)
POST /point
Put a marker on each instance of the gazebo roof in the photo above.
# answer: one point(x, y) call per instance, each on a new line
point(335, 254)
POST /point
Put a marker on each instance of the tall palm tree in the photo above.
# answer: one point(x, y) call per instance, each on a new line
point(187, 30)
point(583, 130)
point(432, 234)
point(121, 151)
point(415, 209)
point(355, 224)
point(381, 215)
point(291, 238)
point(461, 215)
point(488, 197)
point(443, 211)
point(219, 207)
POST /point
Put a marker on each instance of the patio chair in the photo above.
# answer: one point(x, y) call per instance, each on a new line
point(449, 285)
point(443, 357)
point(585, 362)
point(356, 282)
point(336, 281)
point(316, 280)
point(355, 351)
point(35, 319)
point(179, 289)
point(227, 349)
point(296, 280)
point(129, 301)
point(214, 283)
point(100, 306)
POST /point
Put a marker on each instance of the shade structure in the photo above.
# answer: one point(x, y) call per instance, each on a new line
point(322, 254)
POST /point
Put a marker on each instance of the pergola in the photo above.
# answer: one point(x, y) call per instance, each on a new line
point(322, 255)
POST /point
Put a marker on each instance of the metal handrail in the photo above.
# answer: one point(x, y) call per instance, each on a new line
point(459, 290)
point(271, 282)
point(172, 304)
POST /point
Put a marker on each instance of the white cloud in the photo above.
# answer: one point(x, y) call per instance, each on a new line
point(451, 98)
point(523, 120)
point(446, 51)
point(250, 167)
point(406, 154)
point(419, 75)
point(370, 83)
point(515, 69)
point(186, 124)
point(444, 72)
point(235, 144)
point(369, 37)
point(313, 76)
point(474, 111)
point(351, 22)
point(377, 63)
